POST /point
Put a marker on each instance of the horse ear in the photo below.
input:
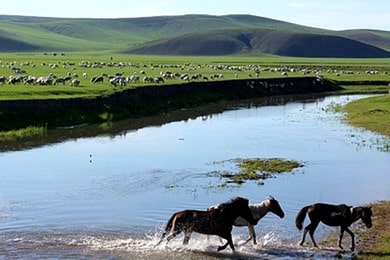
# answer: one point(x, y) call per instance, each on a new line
point(270, 197)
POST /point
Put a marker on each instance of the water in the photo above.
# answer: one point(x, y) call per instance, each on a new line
point(108, 197)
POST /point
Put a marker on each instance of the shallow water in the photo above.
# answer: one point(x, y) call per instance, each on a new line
point(108, 197)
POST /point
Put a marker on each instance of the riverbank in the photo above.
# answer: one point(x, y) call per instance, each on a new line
point(370, 113)
point(373, 114)
point(376, 241)
point(371, 244)
point(149, 100)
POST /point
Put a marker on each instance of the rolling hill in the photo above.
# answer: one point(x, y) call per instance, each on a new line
point(189, 35)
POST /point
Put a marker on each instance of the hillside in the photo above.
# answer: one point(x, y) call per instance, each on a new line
point(188, 35)
point(283, 43)
point(10, 45)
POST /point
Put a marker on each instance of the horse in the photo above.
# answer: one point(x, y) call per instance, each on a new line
point(258, 212)
point(332, 215)
point(218, 221)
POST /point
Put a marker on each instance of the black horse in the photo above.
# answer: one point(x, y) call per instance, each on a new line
point(217, 221)
point(332, 215)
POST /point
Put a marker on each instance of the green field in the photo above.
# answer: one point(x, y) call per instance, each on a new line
point(188, 35)
point(348, 71)
point(371, 113)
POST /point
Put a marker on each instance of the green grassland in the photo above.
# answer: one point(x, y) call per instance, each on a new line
point(61, 34)
point(371, 113)
point(346, 71)
point(188, 34)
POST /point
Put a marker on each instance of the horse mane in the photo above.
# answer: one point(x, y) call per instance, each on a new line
point(236, 200)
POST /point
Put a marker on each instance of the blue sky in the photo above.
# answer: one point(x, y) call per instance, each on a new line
point(328, 14)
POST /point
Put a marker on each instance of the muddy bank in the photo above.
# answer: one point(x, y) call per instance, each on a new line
point(149, 100)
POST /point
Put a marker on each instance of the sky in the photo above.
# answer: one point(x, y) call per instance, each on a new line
point(326, 14)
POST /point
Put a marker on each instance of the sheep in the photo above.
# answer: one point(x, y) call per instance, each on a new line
point(75, 83)
point(133, 78)
point(97, 79)
point(44, 81)
point(14, 79)
point(59, 81)
point(29, 80)
point(118, 80)
point(159, 80)
point(3, 80)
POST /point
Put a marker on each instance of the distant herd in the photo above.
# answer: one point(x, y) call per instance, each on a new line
point(184, 72)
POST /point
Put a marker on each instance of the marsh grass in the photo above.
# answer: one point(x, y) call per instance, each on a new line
point(335, 107)
point(259, 169)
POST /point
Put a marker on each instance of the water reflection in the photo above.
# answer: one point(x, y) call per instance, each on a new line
point(121, 128)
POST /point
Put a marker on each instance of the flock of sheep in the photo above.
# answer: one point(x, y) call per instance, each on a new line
point(151, 73)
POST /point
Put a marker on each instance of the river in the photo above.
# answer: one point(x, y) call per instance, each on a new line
point(86, 194)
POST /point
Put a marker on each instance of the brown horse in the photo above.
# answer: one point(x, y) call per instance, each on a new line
point(213, 222)
point(332, 215)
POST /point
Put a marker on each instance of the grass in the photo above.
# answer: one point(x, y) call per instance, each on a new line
point(371, 113)
point(253, 35)
point(260, 169)
point(40, 64)
point(376, 241)
point(20, 134)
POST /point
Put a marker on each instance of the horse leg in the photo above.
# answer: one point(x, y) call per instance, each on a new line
point(252, 234)
point(341, 237)
point(187, 236)
point(307, 228)
point(171, 236)
point(352, 238)
point(229, 242)
point(223, 247)
point(311, 231)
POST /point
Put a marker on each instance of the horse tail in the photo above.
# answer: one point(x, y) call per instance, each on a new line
point(169, 225)
point(301, 217)
point(168, 228)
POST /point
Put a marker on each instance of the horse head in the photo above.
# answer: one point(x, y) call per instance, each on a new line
point(365, 215)
point(275, 207)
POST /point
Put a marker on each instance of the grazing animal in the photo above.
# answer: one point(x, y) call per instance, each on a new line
point(59, 81)
point(3, 79)
point(332, 215)
point(97, 79)
point(217, 221)
point(75, 83)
